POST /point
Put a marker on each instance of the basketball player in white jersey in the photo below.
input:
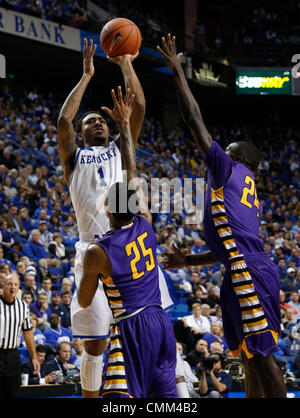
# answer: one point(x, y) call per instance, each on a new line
point(89, 172)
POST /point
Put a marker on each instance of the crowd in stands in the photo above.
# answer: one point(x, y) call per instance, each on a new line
point(264, 29)
point(63, 12)
point(266, 33)
point(38, 229)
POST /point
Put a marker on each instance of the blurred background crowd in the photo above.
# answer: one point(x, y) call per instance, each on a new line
point(265, 30)
point(38, 229)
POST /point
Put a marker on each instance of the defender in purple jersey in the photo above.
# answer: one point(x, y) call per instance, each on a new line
point(142, 356)
point(250, 289)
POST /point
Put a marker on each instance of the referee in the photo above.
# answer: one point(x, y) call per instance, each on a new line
point(14, 318)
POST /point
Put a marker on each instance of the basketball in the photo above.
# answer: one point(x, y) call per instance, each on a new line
point(120, 36)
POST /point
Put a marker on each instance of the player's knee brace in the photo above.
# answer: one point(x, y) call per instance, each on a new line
point(91, 372)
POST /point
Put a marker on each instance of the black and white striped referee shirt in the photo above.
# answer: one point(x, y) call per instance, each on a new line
point(14, 318)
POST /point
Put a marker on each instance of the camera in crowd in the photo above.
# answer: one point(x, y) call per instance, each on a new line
point(208, 363)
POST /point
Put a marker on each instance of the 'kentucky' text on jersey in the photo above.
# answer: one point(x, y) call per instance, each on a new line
point(96, 170)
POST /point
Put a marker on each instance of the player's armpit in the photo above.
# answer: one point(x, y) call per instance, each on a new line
point(95, 263)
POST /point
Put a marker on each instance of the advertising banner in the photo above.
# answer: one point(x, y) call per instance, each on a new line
point(30, 27)
point(263, 81)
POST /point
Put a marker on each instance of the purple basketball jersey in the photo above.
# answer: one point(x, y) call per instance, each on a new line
point(232, 210)
point(249, 296)
point(134, 280)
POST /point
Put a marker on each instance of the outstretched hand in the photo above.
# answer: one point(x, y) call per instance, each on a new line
point(88, 55)
point(168, 51)
point(122, 109)
point(122, 58)
point(173, 260)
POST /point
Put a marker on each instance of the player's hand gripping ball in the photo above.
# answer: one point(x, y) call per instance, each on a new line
point(120, 36)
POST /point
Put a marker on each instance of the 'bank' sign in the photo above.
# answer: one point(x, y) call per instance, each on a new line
point(39, 30)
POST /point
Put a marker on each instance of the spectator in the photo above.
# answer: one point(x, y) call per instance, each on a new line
point(214, 382)
point(291, 282)
point(67, 240)
point(6, 237)
point(199, 247)
point(61, 361)
point(8, 188)
point(217, 277)
point(5, 260)
point(206, 312)
point(25, 221)
point(39, 337)
point(283, 303)
point(216, 334)
point(78, 348)
point(190, 378)
point(35, 251)
point(290, 346)
point(216, 347)
point(196, 324)
point(27, 297)
point(56, 305)
point(43, 206)
point(45, 236)
point(66, 297)
point(30, 284)
point(54, 224)
point(46, 287)
point(66, 284)
point(56, 247)
point(213, 299)
point(21, 270)
point(202, 283)
point(55, 333)
point(40, 378)
point(56, 271)
point(196, 297)
point(198, 353)
point(40, 308)
point(288, 321)
point(294, 301)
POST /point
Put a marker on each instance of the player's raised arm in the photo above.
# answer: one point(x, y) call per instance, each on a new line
point(121, 115)
point(66, 134)
point(189, 108)
point(132, 82)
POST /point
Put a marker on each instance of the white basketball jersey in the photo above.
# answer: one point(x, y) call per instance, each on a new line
point(96, 170)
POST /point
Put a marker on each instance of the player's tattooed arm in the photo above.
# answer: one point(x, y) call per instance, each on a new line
point(188, 106)
point(176, 259)
point(95, 263)
point(121, 114)
point(133, 83)
point(66, 133)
